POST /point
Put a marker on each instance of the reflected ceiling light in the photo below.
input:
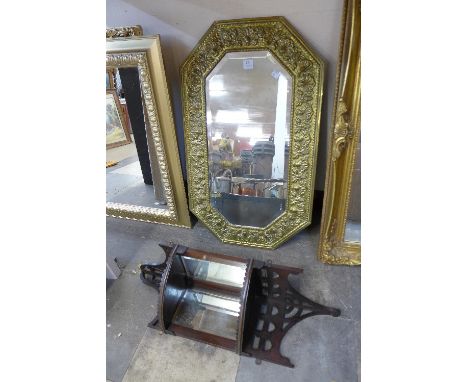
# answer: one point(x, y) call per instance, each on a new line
point(209, 117)
point(216, 86)
point(249, 132)
point(253, 141)
point(230, 116)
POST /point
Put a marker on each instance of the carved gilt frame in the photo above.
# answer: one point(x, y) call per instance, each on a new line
point(128, 31)
point(145, 54)
point(276, 35)
point(333, 249)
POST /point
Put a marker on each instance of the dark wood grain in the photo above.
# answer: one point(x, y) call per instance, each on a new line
point(206, 338)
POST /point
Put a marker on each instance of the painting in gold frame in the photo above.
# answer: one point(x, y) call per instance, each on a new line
point(110, 80)
point(341, 199)
point(144, 54)
point(117, 131)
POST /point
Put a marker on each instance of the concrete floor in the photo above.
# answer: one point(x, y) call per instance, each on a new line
point(122, 152)
point(124, 181)
point(322, 348)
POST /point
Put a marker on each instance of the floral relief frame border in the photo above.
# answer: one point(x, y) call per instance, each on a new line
point(168, 215)
point(277, 36)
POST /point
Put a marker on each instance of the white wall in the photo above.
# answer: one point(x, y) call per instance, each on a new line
point(181, 23)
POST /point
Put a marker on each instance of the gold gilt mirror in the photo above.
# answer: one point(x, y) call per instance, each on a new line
point(143, 175)
point(252, 94)
point(340, 236)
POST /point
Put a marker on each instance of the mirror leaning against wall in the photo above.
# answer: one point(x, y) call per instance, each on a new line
point(252, 92)
point(340, 235)
point(143, 172)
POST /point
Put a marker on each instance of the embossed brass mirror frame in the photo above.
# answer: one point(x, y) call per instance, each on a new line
point(145, 54)
point(333, 249)
point(276, 35)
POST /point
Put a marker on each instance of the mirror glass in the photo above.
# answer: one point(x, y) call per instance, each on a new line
point(353, 220)
point(132, 174)
point(206, 311)
point(210, 301)
point(248, 111)
point(227, 274)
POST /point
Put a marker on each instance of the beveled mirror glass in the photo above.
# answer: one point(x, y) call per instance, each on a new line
point(252, 93)
point(248, 111)
point(204, 309)
point(227, 273)
point(340, 235)
point(203, 293)
point(144, 177)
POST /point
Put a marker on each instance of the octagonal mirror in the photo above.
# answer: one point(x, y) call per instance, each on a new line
point(252, 92)
point(248, 111)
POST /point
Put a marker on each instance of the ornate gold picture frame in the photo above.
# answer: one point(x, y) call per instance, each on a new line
point(276, 36)
point(145, 54)
point(110, 80)
point(126, 31)
point(345, 139)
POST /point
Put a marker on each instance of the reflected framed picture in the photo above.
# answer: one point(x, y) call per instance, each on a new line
point(117, 132)
point(110, 82)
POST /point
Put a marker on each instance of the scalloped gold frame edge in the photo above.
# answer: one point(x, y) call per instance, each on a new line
point(145, 53)
point(127, 31)
point(346, 122)
point(302, 63)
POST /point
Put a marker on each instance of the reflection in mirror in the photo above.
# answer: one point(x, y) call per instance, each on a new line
point(226, 274)
point(209, 312)
point(135, 178)
point(210, 301)
point(353, 221)
point(248, 111)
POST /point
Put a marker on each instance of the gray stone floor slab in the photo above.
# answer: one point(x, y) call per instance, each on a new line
point(164, 358)
point(130, 306)
point(124, 184)
point(322, 348)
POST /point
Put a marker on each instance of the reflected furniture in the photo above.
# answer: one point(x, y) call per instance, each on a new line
point(130, 82)
point(138, 60)
point(340, 236)
point(252, 94)
point(110, 81)
point(238, 304)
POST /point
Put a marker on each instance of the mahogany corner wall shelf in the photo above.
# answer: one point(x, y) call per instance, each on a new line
point(238, 304)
